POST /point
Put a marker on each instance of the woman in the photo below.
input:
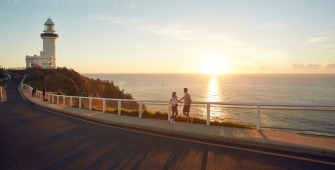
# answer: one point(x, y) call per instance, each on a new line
point(174, 103)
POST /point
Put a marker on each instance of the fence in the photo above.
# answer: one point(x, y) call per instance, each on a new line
point(27, 68)
point(78, 102)
point(3, 95)
point(3, 79)
point(15, 68)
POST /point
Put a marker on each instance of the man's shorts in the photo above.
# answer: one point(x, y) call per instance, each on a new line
point(186, 108)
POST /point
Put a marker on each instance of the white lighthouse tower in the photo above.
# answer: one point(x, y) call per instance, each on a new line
point(48, 57)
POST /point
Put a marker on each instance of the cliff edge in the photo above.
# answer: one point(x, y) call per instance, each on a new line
point(69, 82)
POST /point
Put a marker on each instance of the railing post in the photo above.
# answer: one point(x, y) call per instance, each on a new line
point(208, 114)
point(119, 107)
point(63, 99)
point(71, 101)
point(103, 106)
point(169, 111)
point(49, 97)
point(89, 103)
point(258, 117)
point(57, 99)
point(140, 110)
point(52, 98)
point(79, 103)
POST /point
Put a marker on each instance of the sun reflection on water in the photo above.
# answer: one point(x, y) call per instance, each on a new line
point(214, 95)
point(213, 90)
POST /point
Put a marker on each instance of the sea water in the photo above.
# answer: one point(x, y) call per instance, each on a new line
point(259, 88)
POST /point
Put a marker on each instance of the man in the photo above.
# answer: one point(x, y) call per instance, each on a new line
point(44, 91)
point(187, 105)
point(34, 91)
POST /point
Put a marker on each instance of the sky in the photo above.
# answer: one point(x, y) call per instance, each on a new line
point(174, 36)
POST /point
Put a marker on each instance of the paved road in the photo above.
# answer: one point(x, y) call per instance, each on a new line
point(35, 138)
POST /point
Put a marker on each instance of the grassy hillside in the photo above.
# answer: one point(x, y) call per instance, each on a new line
point(71, 83)
point(4, 83)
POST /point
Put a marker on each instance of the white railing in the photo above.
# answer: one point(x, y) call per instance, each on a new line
point(3, 79)
point(51, 98)
point(3, 95)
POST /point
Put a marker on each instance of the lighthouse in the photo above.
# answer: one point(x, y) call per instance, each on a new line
point(47, 57)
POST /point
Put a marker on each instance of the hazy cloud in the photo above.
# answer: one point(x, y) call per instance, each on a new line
point(325, 32)
point(128, 3)
point(178, 31)
point(273, 24)
point(306, 67)
point(6, 2)
point(117, 21)
point(316, 40)
point(142, 46)
point(3, 13)
point(330, 66)
point(219, 37)
point(325, 47)
point(242, 51)
point(133, 3)
point(266, 68)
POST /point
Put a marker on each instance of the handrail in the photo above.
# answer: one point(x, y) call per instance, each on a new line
point(208, 103)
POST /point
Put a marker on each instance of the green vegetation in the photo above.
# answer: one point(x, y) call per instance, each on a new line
point(4, 83)
point(69, 82)
point(164, 115)
point(2, 74)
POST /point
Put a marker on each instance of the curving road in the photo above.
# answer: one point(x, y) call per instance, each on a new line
point(35, 138)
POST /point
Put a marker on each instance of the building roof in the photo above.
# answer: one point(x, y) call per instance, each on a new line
point(49, 22)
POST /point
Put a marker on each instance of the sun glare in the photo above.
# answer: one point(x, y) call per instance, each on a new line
point(214, 65)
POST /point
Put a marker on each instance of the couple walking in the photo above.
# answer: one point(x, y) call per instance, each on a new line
point(187, 104)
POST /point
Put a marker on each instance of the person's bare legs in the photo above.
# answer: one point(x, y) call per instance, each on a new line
point(173, 116)
point(187, 116)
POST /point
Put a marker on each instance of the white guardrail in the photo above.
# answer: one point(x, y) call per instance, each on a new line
point(3, 79)
point(51, 98)
point(3, 95)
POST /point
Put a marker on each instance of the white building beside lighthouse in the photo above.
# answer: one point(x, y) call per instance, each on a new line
point(48, 57)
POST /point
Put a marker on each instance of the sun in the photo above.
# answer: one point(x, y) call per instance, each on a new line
point(214, 65)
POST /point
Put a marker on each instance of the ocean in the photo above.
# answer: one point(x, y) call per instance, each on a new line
point(267, 88)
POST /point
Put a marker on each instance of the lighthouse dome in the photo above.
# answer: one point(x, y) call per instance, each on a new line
point(49, 22)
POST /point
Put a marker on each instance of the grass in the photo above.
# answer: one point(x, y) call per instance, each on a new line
point(97, 106)
point(4, 83)
point(164, 115)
